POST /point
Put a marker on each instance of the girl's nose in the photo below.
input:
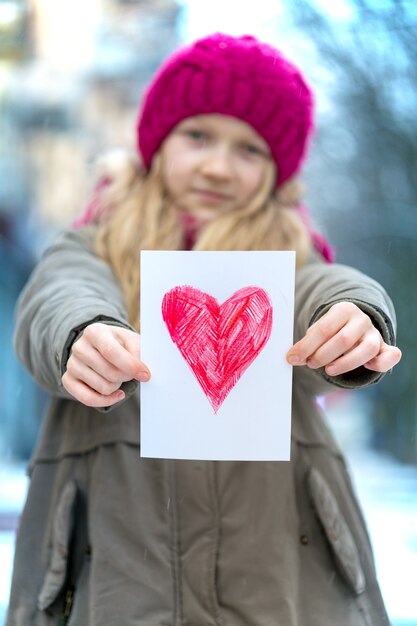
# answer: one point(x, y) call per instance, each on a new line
point(217, 163)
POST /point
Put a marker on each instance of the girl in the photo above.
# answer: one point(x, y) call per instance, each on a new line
point(110, 539)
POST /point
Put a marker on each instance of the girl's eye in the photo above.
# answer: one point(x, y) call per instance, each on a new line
point(251, 149)
point(197, 135)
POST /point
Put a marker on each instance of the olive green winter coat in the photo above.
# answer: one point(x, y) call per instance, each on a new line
point(110, 539)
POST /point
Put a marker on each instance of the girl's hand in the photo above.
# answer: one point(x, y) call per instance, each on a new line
point(101, 360)
point(342, 340)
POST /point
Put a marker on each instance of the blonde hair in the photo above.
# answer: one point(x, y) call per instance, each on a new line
point(136, 215)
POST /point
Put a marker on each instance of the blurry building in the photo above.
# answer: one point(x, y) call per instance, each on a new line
point(77, 93)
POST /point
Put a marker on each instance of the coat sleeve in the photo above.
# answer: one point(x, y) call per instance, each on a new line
point(70, 288)
point(320, 285)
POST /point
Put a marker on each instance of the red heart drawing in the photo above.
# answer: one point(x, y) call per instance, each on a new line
point(218, 342)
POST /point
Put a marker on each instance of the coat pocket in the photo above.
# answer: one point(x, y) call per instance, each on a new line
point(339, 536)
point(68, 550)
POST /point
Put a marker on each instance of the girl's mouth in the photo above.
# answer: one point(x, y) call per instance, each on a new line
point(211, 196)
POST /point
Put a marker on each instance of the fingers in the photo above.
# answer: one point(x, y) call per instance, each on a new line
point(317, 335)
point(385, 360)
point(83, 352)
point(101, 360)
point(355, 340)
point(357, 356)
point(119, 347)
point(80, 371)
point(343, 340)
point(83, 393)
point(328, 329)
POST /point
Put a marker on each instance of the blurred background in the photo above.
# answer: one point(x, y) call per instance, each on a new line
point(71, 76)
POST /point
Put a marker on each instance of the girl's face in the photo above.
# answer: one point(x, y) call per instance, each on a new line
point(213, 164)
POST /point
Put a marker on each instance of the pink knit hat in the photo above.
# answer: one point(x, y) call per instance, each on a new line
point(237, 76)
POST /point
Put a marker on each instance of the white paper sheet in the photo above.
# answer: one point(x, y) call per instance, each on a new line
point(206, 319)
